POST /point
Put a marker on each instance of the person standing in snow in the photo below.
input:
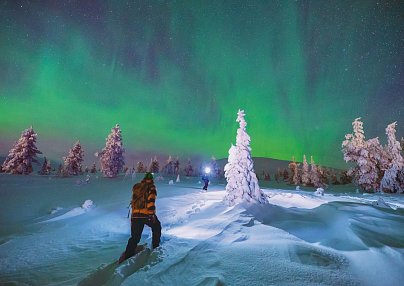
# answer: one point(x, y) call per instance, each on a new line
point(143, 213)
point(205, 179)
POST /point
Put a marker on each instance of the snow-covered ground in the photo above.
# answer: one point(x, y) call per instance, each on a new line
point(59, 231)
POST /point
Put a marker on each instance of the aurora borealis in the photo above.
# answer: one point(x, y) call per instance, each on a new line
point(174, 73)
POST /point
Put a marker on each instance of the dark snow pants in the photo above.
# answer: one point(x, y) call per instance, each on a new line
point(205, 187)
point(137, 225)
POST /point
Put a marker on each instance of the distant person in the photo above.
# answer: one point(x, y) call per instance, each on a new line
point(205, 179)
point(143, 213)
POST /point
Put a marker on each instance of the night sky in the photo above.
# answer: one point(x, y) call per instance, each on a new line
point(173, 74)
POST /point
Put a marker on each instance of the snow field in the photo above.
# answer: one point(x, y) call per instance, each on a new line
point(53, 235)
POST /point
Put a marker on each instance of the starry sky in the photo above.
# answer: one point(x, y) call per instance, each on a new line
point(173, 74)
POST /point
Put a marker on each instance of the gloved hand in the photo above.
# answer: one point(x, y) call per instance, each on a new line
point(152, 218)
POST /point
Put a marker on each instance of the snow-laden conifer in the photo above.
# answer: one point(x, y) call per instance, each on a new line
point(189, 170)
point(154, 165)
point(168, 167)
point(293, 167)
point(176, 166)
point(72, 162)
point(314, 175)
point(140, 168)
point(305, 172)
point(391, 180)
point(46, 167)
point(22, 154)
point(369, 157)
point(111, 157)
point(242, 182)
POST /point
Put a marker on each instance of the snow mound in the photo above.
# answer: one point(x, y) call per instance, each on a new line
point(381, 204)
point(319, 192)
point(291, 200)
point(171, 182)
point(85, 207)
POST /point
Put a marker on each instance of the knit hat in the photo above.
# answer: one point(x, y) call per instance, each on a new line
point(148, 176)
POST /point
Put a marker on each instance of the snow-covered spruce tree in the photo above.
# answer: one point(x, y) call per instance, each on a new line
point(93, 169)
point(285, 175)
point(334, 178)
point(242, 182)
point(22, 154)
point(46, 167)
point(154, 165)
point(215, 167)
point(189, 170)
point(176, 166)
point(391, 179)
point(140, 167)
point(295, 178)
point(314, 175)
point(305, 172)
point(168, 168)
point(368, 156)
point(72, 162)
point(111, 157)
point(344, 178)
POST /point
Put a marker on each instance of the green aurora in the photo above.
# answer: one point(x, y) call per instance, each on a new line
point(174, 73)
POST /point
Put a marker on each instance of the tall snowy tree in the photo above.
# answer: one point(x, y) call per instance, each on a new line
point(242, 182)
point(368, 156)
point(111, 157)
point(22, 154)
point(314, 175)
point(72, 162)
point(391, 179)
point(305, 172)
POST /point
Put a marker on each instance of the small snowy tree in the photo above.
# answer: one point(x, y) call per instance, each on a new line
point(111, 157)
point(154, 165)
point(168, 167)
point(140, 167)
point(305, 172)
point(295, 177)
point(285, 175)
point(334, 178)
point(72, 162)
point(242, 182)
point(314, 175)
point(189, 170)
point(176, 166)
point(23, 154)
point(345, 178)
point(391, 180)
point(93, 169)
point(215, 167)
point(46, 167)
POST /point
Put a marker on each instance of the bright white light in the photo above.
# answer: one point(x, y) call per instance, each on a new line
point(207, 170)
